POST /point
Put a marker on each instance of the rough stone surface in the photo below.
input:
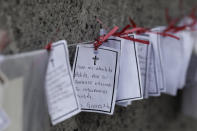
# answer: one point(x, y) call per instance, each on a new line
point(33, 23)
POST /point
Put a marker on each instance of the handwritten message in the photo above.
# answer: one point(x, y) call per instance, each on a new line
point(95, 77)
point(61, 95)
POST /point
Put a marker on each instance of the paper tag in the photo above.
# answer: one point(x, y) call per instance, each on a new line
point(155, 40)
point(148, 66)
point(60, 91)
point(129, 84)
point(96, 78)
point(152, 83)
point(192, 69)
point(142, 50)
point(187, 43)
point(4, 120)
point(172, 53)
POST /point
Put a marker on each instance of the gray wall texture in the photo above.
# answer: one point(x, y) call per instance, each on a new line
point(31, 24)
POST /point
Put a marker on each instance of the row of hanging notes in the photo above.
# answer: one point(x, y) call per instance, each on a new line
point(119, 72)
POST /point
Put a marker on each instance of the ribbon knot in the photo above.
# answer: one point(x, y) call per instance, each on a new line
point(103, 38)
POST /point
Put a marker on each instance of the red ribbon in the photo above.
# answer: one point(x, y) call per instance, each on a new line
point(133, 39)
point(103, 38)
point(172, 24)
point(48, 46)
point(140, 30)
point(126, 31)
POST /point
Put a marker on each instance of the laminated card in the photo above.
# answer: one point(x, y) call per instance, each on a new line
point(96, 78)
point(148, 65)
point(129, 84)
point(142, 50)
point(173, 54)
point(155, 40)
point(187, 44)
point(60, 89)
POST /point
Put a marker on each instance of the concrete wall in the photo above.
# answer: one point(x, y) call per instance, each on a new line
point(33, 23)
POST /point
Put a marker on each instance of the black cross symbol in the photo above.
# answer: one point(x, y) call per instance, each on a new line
point(52, 62)
point(95, 59)
point(51, 59)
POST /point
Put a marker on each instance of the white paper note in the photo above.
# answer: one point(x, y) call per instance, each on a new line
point(146, 56)
point(60, 91)
point(192, 69)
point(142, 50)
point(129, 85)
point(172, 53)
point(187, 43)
point(151, 82)
point(96, 78)
point(155, 39)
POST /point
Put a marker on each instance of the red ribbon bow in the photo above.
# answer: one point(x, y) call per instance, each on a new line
point(103, 38)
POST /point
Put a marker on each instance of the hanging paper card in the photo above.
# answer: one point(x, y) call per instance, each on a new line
point(189, 97)
point(192, 69)
point(147, 65)
point(172, 53)
point(155, 40)
point(129, 84)
point(187, 43)
point(151, 82)
point(96, 78)
point(60, 91)
point(142, 52)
